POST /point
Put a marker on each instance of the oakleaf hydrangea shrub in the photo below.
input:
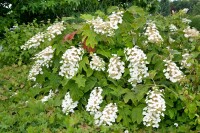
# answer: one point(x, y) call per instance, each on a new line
point(126, 69)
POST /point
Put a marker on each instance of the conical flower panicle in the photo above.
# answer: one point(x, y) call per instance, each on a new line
point(43, 58)
point(95, 100)
point(107, 27)
point(191, 33)
point(172, 71)
point(68, 105)
point(34, 41)
point(152, 33)
point(53, 30)
point(70, 60)
point(154, 109)
point(97, 63)
point(115, 67)
point(184, 62)
point(107, 116)
point(137, 64)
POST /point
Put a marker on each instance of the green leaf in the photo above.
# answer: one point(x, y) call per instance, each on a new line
point(169, 102)
point(171, 113)
point(124, 114)
point(91, 36)
point(90, 84)
point(75, 92)
point(129, 96)
point(112, 9)
point(141, 92)
point(89, 72)
point(136, 25)
point(150, 55)
point(82, 64)
point(120, 52)
point(68, 18)
point(55, 80)
point(103, 82)
point(152, 74)
point(192, 107)
point(136, 10)
point(136, 114)
point(104, 53)
point(100, 13)
point(87, 16)
point(80, 80)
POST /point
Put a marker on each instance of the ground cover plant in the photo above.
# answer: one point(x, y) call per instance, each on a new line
point(119, 71)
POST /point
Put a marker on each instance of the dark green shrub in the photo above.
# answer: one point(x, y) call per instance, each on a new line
point(14, 38)
point(196, 22)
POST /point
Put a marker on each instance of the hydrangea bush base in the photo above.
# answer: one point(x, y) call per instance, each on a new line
point(110, 64)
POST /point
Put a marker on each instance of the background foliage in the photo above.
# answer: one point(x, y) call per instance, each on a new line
point(43, 10)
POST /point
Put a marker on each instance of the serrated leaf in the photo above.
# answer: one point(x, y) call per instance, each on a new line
point(120, 52)
point(83, 62)
point(87, 17)
point(136, 114)
point(150, 55)
point(141, 92)
point(112, 9)
point(128, 96)
point(152, 74)
point(136, 10)
point(169, 102)
point(104, 53)
point(89, 72)
point(100, 13)
point(103, 82)
point(80, 80)
point(54, 80)
point(75, 92)
point(91, 36)
point(171, 113)
point(90, 84)
point(192, 107)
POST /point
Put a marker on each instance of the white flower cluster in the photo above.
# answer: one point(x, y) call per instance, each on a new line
point(46, 98)
point(55, 29)
point(68, 105)
point(186, 21)
point(152, 33)
point(107, 116)
point(137, 64)
point(126, 131)
point(34, 41)
point(97, 63)
point(191, 33)
point(171, 40)
point(176, 124)
point(43, 58)
point(37, 85)
point(70, 65)
point(95, 100)
point(184, 62)
point(172, 28)
point(172, 72)
point(107, 27)
point(155, 108)
point(185, 10)
point(115, 67)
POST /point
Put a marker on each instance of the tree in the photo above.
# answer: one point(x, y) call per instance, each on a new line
point(164, 7)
